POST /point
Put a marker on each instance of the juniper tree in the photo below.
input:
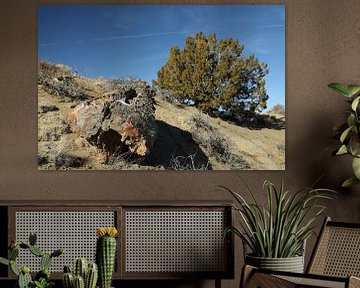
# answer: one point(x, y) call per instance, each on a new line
point(213, 74)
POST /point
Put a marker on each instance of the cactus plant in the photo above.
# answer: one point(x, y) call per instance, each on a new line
point(79, 282)
point(105, 254)
point(42, 278)
point(68, 280)
point(80, 267)
point(24, 277)
point(84, 274)
point(91, 276)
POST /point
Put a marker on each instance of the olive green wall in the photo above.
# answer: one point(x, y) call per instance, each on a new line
point(322, 46)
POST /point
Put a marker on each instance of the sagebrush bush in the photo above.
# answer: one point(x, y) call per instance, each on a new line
point(214, 142)
point(59, 80)
point(167, 96)
point(186, 163)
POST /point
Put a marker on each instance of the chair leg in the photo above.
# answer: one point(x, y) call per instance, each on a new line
point(246, 274)
point(354, 282)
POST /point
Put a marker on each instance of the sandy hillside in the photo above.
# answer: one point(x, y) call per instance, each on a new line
point(259, 148)
point(263, 149)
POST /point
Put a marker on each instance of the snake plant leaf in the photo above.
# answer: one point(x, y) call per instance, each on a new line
point(356, 167)
point(342, 150)
point(340, 88)
point(349, 182)
point(345, 134)
point(355, 103)
point(353, 89)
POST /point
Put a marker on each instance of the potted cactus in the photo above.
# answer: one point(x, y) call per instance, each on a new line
point(84, 275)
point(42, 278)
point(106, 254)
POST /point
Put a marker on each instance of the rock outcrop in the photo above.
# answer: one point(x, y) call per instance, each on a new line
point(119, 122)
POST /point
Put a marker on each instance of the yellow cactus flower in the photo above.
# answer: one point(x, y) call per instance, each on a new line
point(106, 231)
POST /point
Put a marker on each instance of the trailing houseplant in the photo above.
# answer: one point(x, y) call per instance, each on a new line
point(348, 132)
point(279, 229)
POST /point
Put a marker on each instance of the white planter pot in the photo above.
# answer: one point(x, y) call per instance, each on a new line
point(291, 264)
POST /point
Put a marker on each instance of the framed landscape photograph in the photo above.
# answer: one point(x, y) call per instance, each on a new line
point(161, 87)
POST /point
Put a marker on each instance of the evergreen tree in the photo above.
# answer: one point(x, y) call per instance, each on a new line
point(214, 74)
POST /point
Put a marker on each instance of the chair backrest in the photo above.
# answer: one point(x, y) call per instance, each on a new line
point(337, 251)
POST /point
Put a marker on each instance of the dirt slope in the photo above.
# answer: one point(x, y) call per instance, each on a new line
point(262, 149)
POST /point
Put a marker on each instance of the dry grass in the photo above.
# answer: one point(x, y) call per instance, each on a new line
point(214, 142)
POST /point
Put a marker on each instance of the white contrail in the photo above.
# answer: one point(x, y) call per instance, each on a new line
point(272, 25)
point(140, 35)
point(47, 44)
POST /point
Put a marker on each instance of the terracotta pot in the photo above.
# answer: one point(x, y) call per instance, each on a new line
point(291, 264)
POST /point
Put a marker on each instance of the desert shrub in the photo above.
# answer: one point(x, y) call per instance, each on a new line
point(214, 142)
point(115, 84)
point(186, 163)
point(43, 159)
point(44, 108)
point(167, 96)
point(66, 160)
point(59, 80)
point(277, 109)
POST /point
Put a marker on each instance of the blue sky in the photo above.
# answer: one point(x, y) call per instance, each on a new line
point(134, 40)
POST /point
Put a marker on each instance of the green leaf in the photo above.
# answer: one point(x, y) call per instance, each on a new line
point(349, 182)
point(351, 120)
point(353, 89)
point(355, 103)
point(342, 150)
point(32, 238)
point(4, 261)
point(356, 167)
point(345, 134)
point(354, 145)
point(340, 88)
point(14, 268)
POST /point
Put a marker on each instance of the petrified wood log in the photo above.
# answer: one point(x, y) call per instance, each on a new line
point(121, 121)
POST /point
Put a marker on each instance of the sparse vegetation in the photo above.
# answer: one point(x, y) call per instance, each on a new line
point(277, 109)
point(186, 163)
point(167, 96)
point(59, 80)
point(214, 142)
point(65, 160)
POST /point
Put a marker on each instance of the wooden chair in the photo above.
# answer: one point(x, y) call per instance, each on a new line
point(334, 263)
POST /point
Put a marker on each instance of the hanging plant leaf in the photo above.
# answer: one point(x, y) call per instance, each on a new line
point(356, 167)
point(353, 89)
point(349, 182)
point(355, 103)
point(340, 88)
point(345, 134)
point(351, 120)
point(342, 150)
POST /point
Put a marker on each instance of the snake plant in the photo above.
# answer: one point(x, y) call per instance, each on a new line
point(349, 131)
point(279, 228)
